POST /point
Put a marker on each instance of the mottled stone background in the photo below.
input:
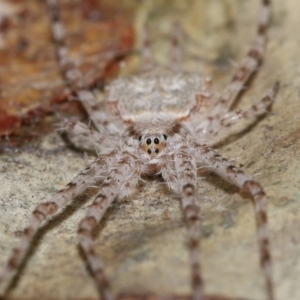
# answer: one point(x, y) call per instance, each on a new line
point(143, 240)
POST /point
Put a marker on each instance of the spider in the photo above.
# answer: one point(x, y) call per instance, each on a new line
point(155, 123)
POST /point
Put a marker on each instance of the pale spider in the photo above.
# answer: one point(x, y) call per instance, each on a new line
point(156, 123)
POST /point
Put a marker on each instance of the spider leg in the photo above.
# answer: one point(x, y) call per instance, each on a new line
point(122, 178)
point(82, 137)
point(247, 67)
point(100, 118)
point(186, 171)
point(232, 118)
point(90, 176)
point(72, 76)
point(236, 176)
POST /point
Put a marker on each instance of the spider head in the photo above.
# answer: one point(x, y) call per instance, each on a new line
point(153, 144)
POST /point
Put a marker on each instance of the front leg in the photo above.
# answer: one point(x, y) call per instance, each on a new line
point(124, 176)
point(186, 172)
point(230, 173)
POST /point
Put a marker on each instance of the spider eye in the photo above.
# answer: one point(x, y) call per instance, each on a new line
point(153, 144)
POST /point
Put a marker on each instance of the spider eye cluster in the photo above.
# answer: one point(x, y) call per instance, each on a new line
point(153, 144)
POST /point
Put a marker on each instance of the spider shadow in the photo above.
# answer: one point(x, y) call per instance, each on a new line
point(53, 222)
point(235, 136)
point(75, 148)
point(228, 205)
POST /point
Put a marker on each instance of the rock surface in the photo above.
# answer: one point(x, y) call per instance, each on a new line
point(142, 240)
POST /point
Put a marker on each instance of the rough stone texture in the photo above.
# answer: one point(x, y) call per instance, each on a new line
point(142, 239)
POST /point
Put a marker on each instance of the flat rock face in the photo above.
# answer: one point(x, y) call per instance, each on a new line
point(142, 239)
